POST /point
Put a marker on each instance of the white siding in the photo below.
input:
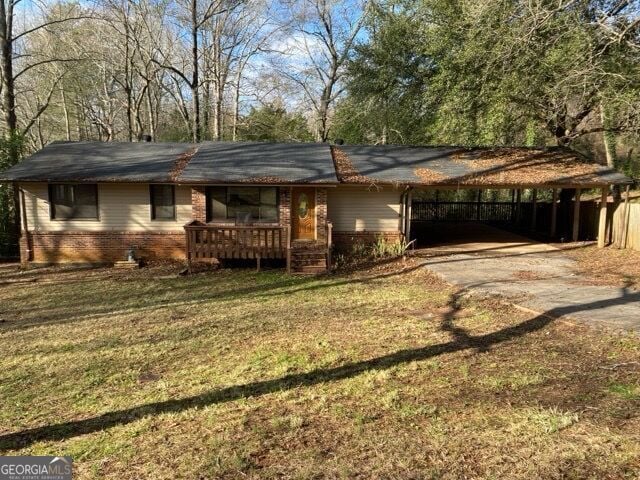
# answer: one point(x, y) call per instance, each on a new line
point(123, 207)
point(357, 209)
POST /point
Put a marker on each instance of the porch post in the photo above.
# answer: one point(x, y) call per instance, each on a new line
point(625, 220)
point(25, 226)
point(187, 233)
point(403, 213)
point(518, 205)
point(534, 209)
point(576, 215)
point(329, 244)
point(408, 219)
point(602, 225)
point(288, 234)
point(554, 213)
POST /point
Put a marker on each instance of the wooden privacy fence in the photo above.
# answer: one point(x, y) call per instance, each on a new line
point(206, 242)
point(619, 233)
point(626, 234)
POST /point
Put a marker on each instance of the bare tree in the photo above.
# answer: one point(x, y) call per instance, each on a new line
point(193, 16)
point(9, 40)
point(230, 41)
point(323, 36)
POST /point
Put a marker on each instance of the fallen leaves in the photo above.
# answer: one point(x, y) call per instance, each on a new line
point(430, 176)
point(522, 166)
point(181, 163)
point(345, 170)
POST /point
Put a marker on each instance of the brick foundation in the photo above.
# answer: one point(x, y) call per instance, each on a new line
point(103, 247)
point(24, 249)
point(199, 204)
point(344, 241)
point(112, 246)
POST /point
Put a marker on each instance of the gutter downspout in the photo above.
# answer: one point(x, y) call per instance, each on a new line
point(407, 227)
point(25, 227)
point(403, 211)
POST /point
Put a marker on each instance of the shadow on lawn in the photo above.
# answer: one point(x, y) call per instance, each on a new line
point(462, 340)
point(192, 291)
point(196, 290)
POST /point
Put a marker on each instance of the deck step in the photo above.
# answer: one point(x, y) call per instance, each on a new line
point(308, 259)
point(309, 269)
point(308, 265)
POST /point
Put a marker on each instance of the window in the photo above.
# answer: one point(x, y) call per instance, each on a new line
point(242, 204)
point(69, 201)
point(163, 202)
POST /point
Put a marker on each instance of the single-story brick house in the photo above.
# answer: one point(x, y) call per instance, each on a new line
point(94, 201)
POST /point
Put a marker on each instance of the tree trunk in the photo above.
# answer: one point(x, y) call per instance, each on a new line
point(65, 110)
point(152, 121)
point(206, 109)
point(127, 82)
point(6, 58)
point(195, 78)
point(236, 106)
point(608, 148)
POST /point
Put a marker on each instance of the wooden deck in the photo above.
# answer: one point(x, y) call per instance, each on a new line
point(208, 242)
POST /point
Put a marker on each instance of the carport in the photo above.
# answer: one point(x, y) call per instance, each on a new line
point(451, 193)
point(442, 216)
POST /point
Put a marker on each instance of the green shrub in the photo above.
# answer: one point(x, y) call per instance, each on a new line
point(384, 248)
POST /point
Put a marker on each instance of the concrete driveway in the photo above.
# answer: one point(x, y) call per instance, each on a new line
point(534, 275)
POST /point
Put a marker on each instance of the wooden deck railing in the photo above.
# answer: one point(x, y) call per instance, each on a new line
point(329, 228)
point(463, 211)
point(207, 242)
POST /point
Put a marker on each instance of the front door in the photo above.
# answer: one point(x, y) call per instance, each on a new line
point(303, 213)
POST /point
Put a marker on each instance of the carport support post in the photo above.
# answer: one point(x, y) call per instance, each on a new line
point(602, 224)
point(554, 213)
point(625, 219)
point(576, 216)
point(534, 209)
point(407, 229)
point(518, 205)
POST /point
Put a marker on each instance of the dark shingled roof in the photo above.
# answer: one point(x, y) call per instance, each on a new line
point(255, 162)
point(455, 166)
point(298, 163)
point(99, 162)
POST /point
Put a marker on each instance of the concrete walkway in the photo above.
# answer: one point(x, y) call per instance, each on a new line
point(531, 274)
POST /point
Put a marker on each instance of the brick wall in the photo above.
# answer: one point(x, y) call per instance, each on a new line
point(111, 246)
point(285, 207)
point(199, 204)
point(344, 241)
point(321, 215)
point(104, 247)
point(24, 254)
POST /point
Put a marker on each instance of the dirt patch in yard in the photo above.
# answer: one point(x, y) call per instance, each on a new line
point(527, 275)
point(607, 266)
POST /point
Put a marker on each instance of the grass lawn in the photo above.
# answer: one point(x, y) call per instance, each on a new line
point(383, 373)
